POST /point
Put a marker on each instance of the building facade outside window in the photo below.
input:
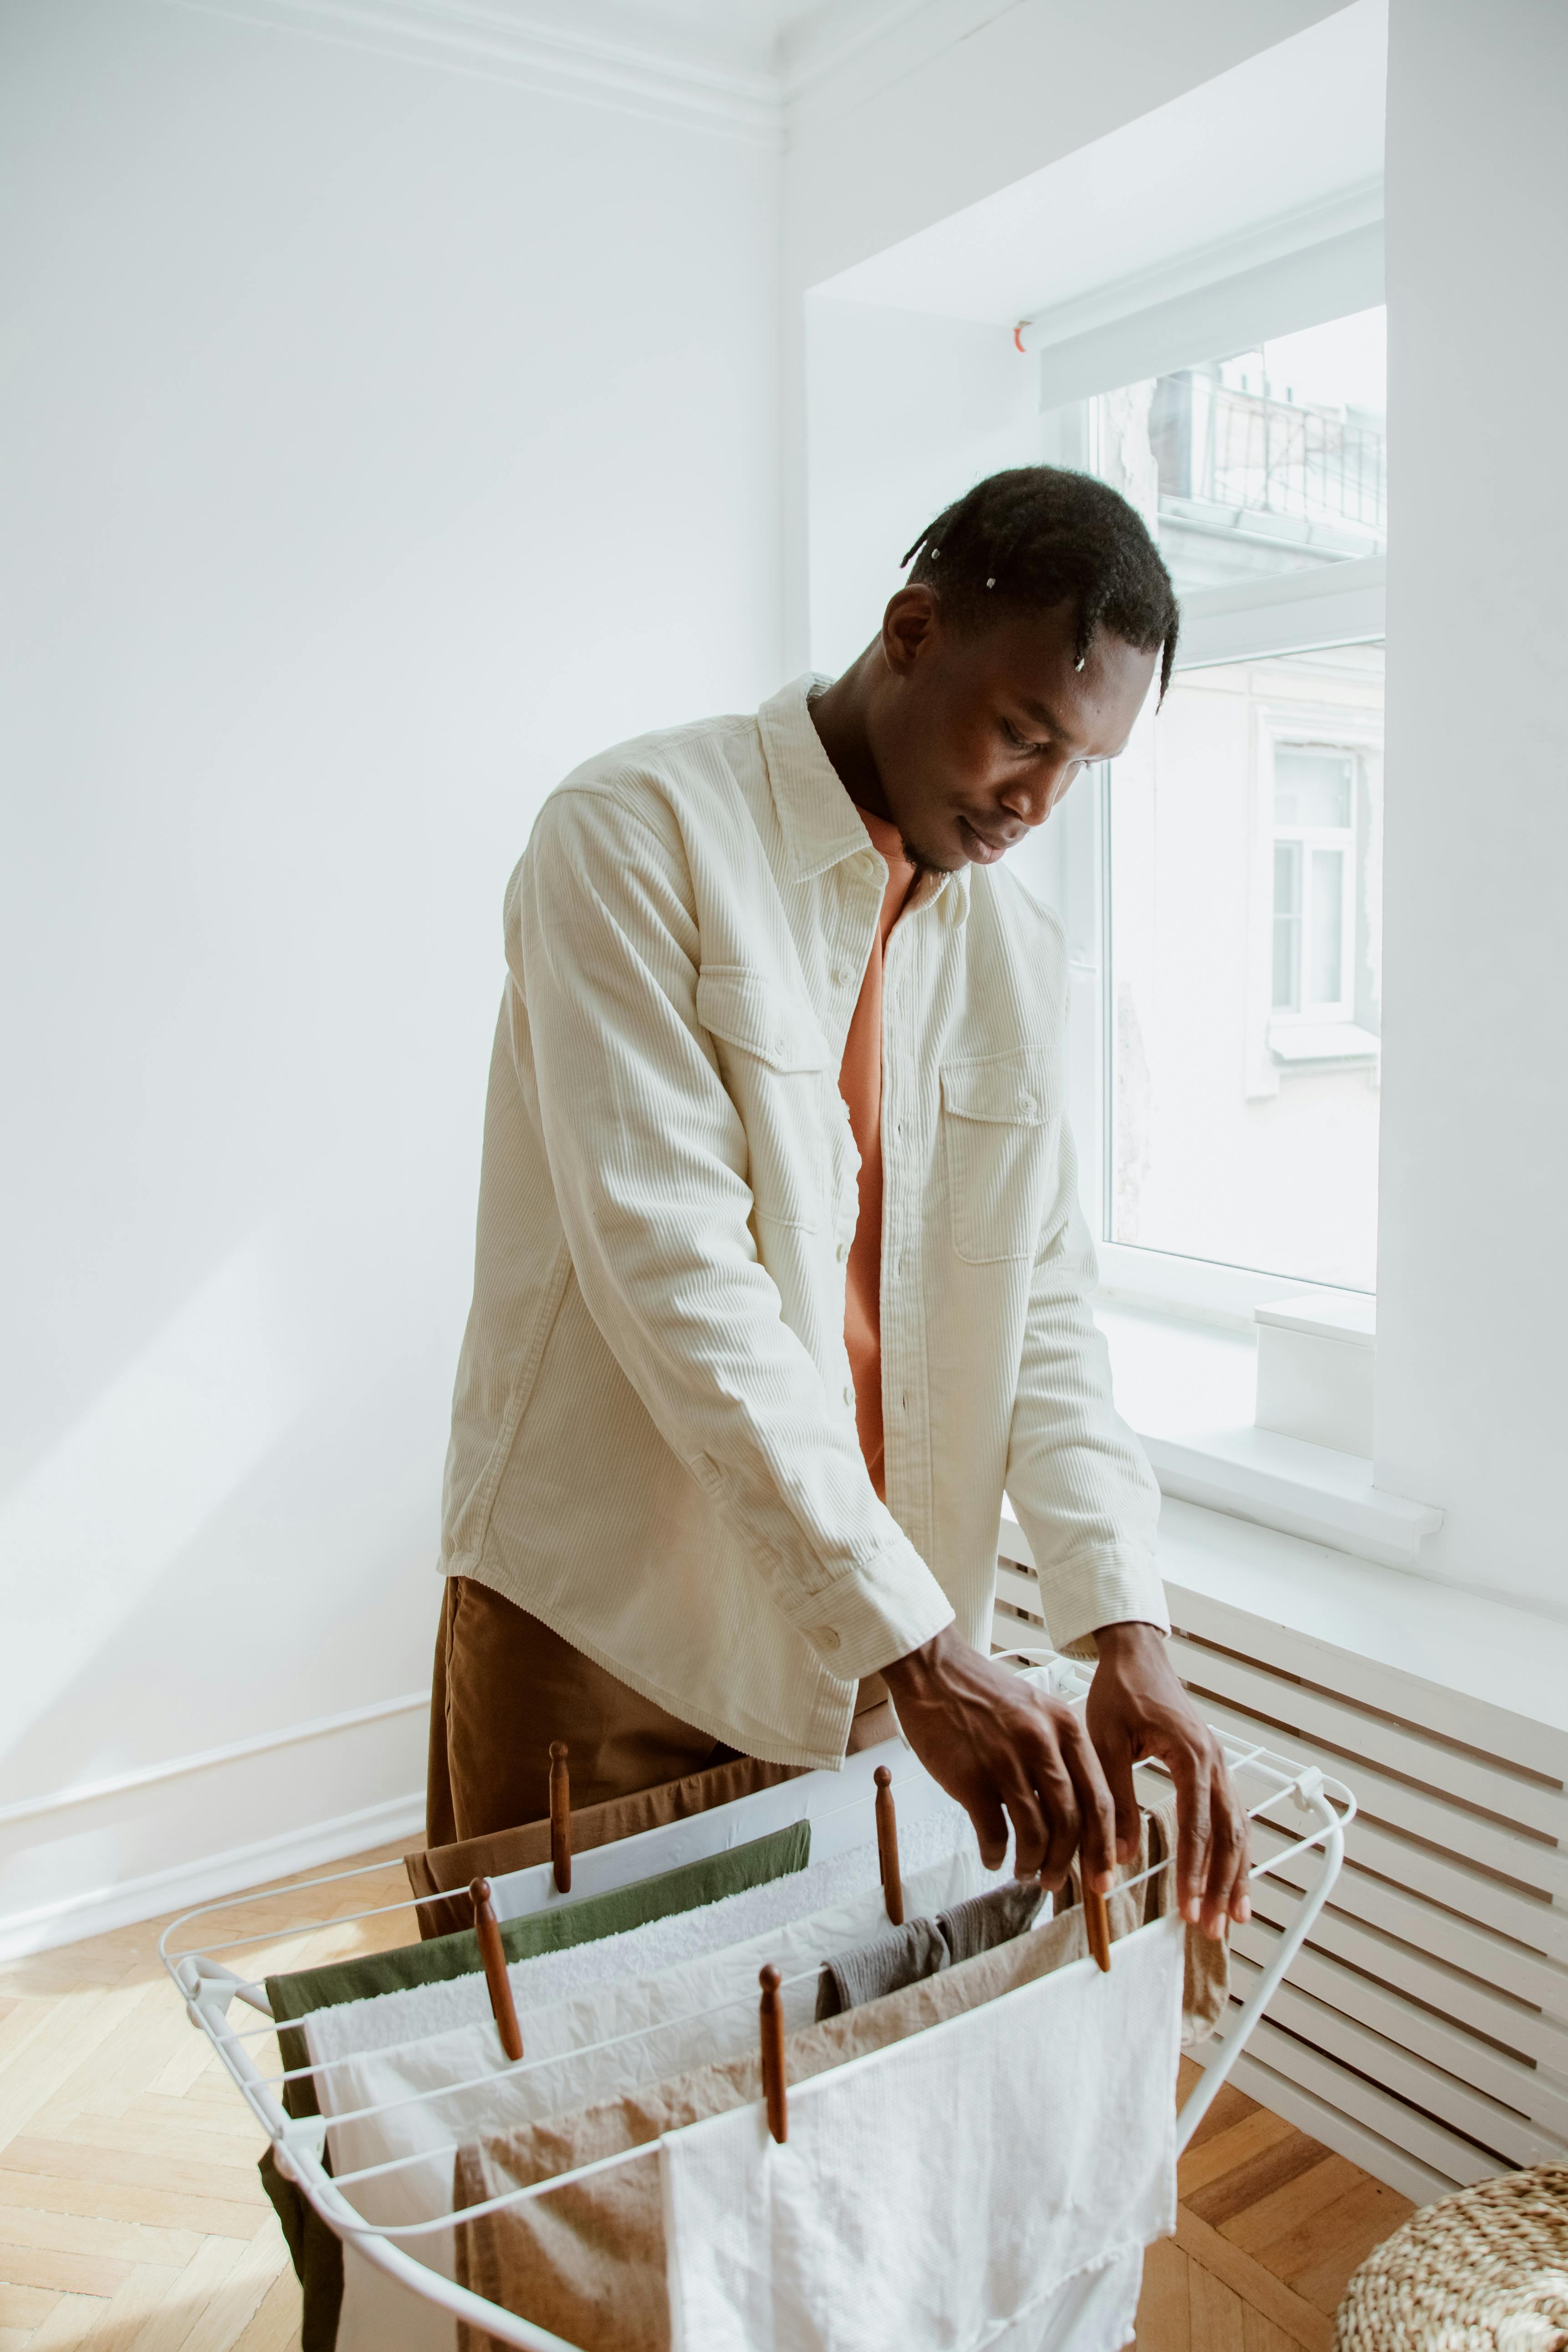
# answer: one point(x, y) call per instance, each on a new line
point(1221, 885)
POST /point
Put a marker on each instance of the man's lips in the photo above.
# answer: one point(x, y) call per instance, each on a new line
point(984, 847)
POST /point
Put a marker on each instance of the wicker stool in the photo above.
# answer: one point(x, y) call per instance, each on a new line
point(1483, 2271)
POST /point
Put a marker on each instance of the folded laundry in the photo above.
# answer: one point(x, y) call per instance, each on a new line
point(1205, 1991)
point(988, 1920)
point(427, 2064)
point(686, 1888)
point(318, 2253)
point(902, 1957)
point(405, 2015)
point(589, 2261)
point(450, 1869)
point(938, 2192)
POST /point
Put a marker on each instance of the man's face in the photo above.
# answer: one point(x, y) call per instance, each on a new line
point(977, 737)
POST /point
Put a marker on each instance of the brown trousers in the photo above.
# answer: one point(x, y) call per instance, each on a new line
point(505, 1686)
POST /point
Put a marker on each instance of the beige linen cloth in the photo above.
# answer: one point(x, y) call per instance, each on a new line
point(1206, 1988)
point(589, 2261)
point(449, 1869)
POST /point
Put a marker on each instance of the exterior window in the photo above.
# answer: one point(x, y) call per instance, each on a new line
point(1221, 883)
point(1314, 868)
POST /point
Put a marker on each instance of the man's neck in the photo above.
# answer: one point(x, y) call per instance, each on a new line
point(838, 715)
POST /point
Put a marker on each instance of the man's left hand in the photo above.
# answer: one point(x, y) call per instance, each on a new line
point(1138, 1708)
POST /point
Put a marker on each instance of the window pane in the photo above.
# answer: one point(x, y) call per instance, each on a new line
point(1287, 925)
point(1311, 787)
point(1243, 1115)
point(1268, 460)
point(1328, 923)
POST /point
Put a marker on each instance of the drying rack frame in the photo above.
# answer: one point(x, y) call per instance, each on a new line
point(1323, 1806)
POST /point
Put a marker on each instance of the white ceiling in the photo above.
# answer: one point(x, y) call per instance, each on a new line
point(1291, 132)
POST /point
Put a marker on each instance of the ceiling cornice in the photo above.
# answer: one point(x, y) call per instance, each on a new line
point(501, 43)
point(846, 53)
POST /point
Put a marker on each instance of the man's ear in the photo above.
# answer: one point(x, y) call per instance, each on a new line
point(910, 627)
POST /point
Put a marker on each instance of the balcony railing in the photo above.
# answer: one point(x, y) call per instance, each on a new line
point(1260, 456)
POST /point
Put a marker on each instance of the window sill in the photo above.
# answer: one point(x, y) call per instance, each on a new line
point(1189, 1389)
point(1294, 1042)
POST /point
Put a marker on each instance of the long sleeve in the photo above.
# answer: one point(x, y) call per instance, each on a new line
point(1077, 1475)
point(648, 1160)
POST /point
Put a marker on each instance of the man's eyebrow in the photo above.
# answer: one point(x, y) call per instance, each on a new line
point(1041, 715)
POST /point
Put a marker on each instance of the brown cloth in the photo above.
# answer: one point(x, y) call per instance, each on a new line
point(439, 1870)
point(1206, 1983)
point(505, 1686)
point(588, 2261)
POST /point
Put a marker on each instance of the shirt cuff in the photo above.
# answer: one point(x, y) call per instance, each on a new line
point(879, 1612)
point(1109, 1591)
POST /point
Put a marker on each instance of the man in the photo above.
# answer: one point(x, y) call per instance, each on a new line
point(781, 1277)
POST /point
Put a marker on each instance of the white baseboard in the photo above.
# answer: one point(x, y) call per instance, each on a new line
point(109, 1854)
point(160, 1892)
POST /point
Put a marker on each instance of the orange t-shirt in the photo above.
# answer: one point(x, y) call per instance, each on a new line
point(860, 1083)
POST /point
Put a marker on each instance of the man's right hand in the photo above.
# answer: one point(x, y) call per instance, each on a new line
point(998, 1745)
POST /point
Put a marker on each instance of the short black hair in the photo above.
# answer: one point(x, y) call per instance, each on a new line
point(1037, 536)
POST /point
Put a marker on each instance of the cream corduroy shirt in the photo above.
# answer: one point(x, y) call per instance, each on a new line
point(654, 1444)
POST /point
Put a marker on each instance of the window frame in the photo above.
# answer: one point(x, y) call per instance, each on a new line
point(1339, 605)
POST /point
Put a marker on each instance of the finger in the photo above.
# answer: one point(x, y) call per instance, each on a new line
point(1063, 1819)
point(1225, 1851)
point(990, 1828)
point(1235, 1898)
point(1031, 1828)
point(1193, 1829)
point(1099, 1834)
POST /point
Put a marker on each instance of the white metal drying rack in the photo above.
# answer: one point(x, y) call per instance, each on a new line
point(1265, 1779)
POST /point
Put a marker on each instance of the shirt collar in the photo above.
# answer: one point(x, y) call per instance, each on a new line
point(820, 823)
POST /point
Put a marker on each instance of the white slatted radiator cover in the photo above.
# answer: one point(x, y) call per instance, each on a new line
point(1423, 2031)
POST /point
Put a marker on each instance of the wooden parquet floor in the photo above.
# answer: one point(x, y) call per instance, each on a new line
point(131, 2219)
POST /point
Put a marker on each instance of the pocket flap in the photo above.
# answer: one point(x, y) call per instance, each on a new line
point(1014, 1088)
point(756, 1014)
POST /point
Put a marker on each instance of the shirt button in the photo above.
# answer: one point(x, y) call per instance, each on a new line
point(842, 1252)
point(1026, 1102)
point(827, 1637)
point(848, 1396)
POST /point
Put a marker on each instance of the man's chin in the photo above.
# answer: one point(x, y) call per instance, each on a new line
point(927, 861)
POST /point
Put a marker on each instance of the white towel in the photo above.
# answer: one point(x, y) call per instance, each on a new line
point(942, 2191)
point(703, 2007)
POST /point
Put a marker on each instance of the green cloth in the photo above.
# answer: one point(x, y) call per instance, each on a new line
point(318, 2253)
point(318, 2257)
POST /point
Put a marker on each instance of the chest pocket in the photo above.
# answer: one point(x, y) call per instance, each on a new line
point(774, 1064)
point(999, 1119)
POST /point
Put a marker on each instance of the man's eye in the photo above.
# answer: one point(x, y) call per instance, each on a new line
point(1021, 742)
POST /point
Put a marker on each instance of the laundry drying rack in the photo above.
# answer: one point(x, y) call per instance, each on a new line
point(1301, 1812)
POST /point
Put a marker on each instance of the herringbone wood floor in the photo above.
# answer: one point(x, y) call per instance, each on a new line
point(132, 2219)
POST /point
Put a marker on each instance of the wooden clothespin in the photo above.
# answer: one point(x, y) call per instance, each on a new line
point(486, 1928)
point(1097, 1923)
point(773, 2033)
point(560, 1817)
point(887, 1847)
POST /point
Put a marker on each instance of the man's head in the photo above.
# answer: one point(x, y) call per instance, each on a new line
point(1022, 647)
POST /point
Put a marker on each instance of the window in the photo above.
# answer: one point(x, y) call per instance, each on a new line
point(1314, 853)
point(1221, 885)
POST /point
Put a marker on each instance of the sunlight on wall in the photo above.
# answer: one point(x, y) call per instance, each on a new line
point(107, 1512)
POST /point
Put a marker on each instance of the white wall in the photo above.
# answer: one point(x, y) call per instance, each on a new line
point(905, 413)
point(908, 134)
point(380, 440)
point(1472, 1397)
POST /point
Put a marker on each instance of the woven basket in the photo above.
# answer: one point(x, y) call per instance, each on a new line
point(1483, 2271)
